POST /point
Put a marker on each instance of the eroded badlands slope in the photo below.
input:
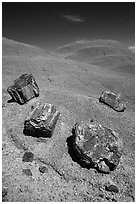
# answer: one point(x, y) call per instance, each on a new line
point(74, 88)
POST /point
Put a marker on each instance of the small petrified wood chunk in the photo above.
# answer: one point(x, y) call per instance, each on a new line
point(28, 157)
point(43, 169)
point(41, 121)
point(23, 89)
point(97, 146)
point(27, 172)
point(113, 100)
point(112, 188)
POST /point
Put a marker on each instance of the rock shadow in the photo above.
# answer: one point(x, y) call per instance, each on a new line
point(72, 152)
point(37, 134)
point(11, 100)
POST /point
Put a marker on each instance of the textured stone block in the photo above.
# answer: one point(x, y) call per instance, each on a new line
point(97, 146)
point(113, 101)
point(41, 121)
point(23, 89)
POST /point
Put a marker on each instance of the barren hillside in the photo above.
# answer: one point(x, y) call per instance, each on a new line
point(105, 53)
point(72, 79)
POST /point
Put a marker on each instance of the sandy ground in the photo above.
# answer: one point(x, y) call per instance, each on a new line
point(74, 88)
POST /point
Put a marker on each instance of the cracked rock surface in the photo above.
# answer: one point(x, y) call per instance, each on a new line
point(41, 121)
point(23, 89)
point(113, 100)
point(97, 146)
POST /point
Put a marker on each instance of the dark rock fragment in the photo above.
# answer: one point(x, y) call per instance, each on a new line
point(27, 172)
point(97, 146)
point(91, 120)
point(111, 188)
point(101, 195)
point(4, 194)
point(113, 200)
point(28, 157)
point(23, 89)
point(43, 169)
point(113, 100)
point(41, 121)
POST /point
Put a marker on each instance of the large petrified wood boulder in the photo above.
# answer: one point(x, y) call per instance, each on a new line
point(41, 121)
point(97, 146)
point(113, 101)
point(23, 89)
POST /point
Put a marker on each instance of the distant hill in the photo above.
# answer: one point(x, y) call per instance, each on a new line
point(69, 48)
point(105, 53)
point(14, 48)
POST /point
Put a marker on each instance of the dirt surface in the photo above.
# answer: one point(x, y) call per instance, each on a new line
point(74, 88)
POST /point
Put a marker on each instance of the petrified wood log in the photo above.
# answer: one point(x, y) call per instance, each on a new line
point(24, 89)
point(97, 146)
point(41, 121)
point(113, 101)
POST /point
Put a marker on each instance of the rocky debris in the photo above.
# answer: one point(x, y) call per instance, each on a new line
point(110, 199)
point(91, 120)
point(97, 146)
point(27, 172)
point(113, 100)
point(43, 169)
point(4, 194)
point(41, 121)
point(24, 89)
point(28, 157)
point(111, 188)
